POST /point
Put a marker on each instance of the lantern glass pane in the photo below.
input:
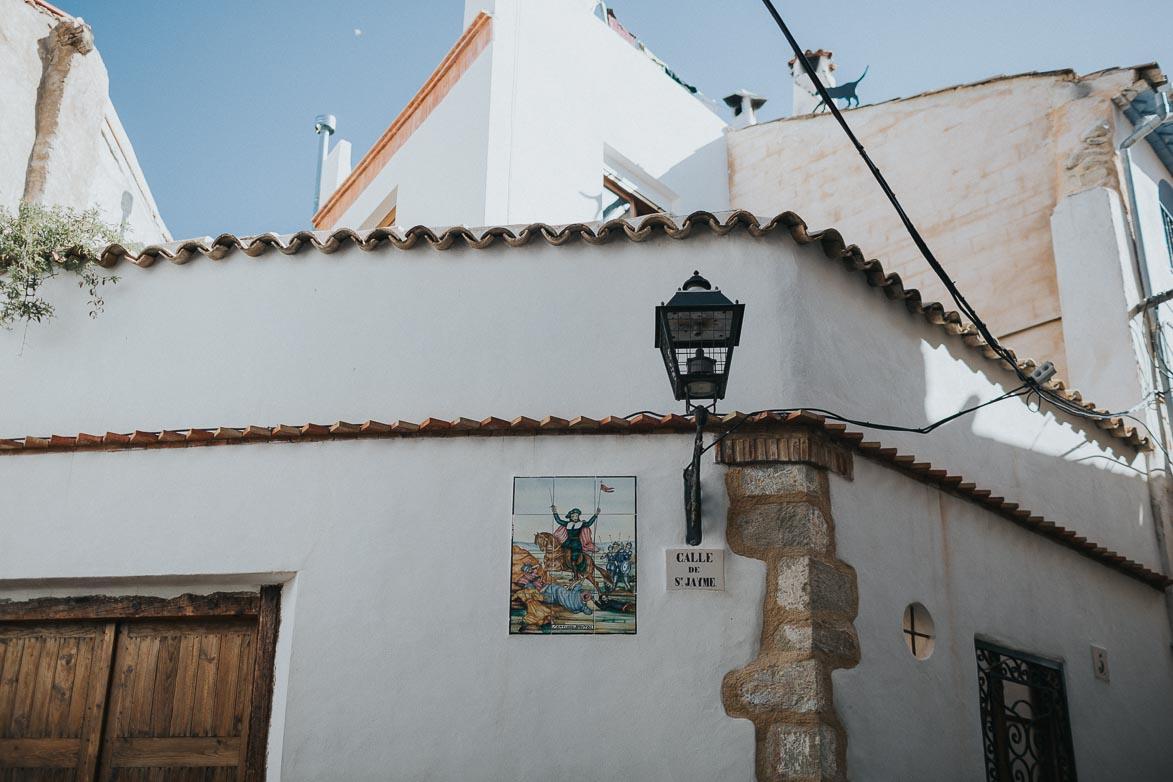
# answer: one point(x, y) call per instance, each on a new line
point(700, 325)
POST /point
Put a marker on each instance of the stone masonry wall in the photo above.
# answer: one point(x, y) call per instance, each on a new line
point(780, 512)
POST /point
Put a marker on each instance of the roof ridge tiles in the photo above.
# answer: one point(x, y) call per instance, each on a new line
point(643, 423)
point(641, 229)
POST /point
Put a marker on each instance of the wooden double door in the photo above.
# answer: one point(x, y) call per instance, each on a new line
point(146, 696)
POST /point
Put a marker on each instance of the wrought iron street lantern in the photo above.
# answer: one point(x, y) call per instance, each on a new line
point(696, 332)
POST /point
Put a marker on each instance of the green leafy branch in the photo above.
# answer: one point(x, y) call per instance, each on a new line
point(38, 243)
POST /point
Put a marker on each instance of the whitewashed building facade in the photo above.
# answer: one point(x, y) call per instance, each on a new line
point(276, 528)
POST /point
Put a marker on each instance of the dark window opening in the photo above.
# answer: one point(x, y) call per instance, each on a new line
point(1025, 725)
point(620, 201)
point(1165, 192)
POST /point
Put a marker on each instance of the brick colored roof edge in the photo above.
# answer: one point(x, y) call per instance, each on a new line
point(48, 8)
point(642, 229)
point(643, 423)
point(455, 64)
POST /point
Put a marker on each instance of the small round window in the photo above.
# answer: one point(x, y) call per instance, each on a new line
point(918, 631)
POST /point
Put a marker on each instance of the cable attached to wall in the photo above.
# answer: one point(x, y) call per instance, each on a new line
point(1034, 381)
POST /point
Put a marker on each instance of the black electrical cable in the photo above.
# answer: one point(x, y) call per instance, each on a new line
point(917, 239)
point(958, 298)
point(833, 416)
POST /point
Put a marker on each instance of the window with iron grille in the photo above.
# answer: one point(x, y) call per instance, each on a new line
point(1165, 191)
point(1025, 726)
point(1167, 219)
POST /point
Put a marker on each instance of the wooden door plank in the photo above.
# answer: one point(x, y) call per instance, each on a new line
point(131, 607)
point(198, 626)
point(9, 676)
point(26, 686)
point(223, 714)
point(61, 692)
point(187, 751)
point(203, 706)
point(101, 700)
point(166, 671)
point(185, 686)
point(79, 700)
point(43, 686)
point(138, 716)
point(69, 629)
point(247, 669)
point(34, 754)
point(261, 699)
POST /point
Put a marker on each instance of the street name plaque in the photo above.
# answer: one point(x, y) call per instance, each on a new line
point(696, 569)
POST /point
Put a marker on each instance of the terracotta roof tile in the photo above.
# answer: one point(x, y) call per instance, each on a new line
point(641, 424)
point(830, 242)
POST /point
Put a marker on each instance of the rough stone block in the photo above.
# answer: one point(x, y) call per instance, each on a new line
point(810, 585)
point(766, 686)
point(768, 480)
point(783, 525)
point(803, 752)
point(834, 643)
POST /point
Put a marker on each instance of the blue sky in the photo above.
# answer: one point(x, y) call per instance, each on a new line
point(219, 97)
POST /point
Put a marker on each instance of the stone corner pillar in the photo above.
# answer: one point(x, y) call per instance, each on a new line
point(780, 513)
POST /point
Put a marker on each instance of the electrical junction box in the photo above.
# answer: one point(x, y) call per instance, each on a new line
point(1100, 662)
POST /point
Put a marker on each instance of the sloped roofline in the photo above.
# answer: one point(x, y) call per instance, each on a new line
point(456, 62)
point(642, 229)
point(1150, 72)
point(44, 7)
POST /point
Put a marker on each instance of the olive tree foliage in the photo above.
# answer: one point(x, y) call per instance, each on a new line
point(38, 243)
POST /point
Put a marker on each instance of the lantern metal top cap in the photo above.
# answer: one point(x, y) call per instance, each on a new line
point(696, 281)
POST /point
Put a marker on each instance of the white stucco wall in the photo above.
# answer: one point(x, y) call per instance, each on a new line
point(522, 135)
point(398, 649)
point(542, 330)
point(440, 170)
point(401, 664)
point(564, 87)
point(977, 167)
point(1095, 267)
point(980, 576)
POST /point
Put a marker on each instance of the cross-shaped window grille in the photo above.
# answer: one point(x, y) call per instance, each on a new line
point(918, 631)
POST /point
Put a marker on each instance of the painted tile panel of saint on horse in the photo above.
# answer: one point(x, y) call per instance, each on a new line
point(574, 556)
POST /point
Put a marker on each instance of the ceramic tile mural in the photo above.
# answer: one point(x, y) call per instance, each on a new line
point(574, 556)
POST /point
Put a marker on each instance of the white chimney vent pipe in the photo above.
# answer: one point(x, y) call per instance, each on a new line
point(324, 126)
point(745, 105)
point(806, 97)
